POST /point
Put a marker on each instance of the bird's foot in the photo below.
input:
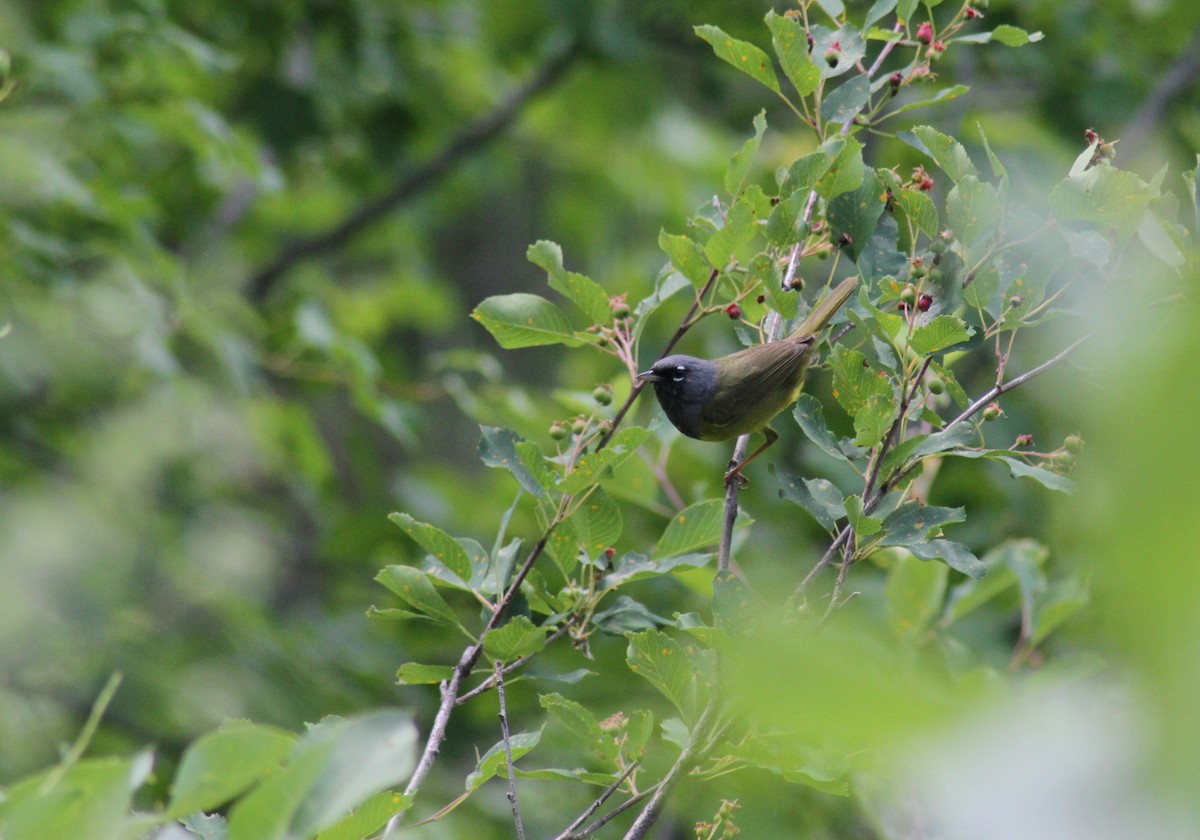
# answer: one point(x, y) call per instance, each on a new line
point(735, 474)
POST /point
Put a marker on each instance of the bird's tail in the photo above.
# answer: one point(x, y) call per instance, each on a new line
point(826, 309)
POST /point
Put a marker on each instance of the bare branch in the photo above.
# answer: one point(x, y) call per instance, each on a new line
point(512, 776)
point(475, 136)
point(571, 831)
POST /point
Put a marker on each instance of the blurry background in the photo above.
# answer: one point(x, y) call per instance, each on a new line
point(239, 243)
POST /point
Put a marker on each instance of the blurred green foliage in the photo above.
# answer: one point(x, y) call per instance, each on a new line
point(202, 435)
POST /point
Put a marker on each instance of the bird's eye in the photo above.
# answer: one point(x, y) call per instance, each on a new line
point(680, 373)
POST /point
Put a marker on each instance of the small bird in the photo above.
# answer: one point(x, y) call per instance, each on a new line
point(742, 392)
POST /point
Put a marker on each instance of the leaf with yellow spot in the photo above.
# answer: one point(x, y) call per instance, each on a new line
point(681, 675)
point(440, 545)
point(741, 54)
point(413, 587)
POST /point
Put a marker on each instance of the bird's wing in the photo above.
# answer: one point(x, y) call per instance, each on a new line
point(762, 372)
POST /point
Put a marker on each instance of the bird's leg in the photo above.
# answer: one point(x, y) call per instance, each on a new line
point(735, 472)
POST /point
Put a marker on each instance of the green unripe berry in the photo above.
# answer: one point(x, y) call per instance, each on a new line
point(559, 430)
point(620, 309)
point(992, 411)
point(1073, 444)
point(908, 295)
point(937, 385)
point(603, 394)
point(579, 426)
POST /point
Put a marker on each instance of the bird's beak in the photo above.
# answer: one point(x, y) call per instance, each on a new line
point(648, 376)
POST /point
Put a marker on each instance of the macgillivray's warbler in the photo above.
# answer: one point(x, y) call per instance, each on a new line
point(742, 392)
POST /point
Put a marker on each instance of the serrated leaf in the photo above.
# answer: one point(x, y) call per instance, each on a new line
point(955, 555)
point(819, 496)
point(597, 522)
point(981, 291)
point(917, 206)
point(767, 274)
point(810, 416)
point(865, 395)
point(1012, 36)
point(524, 320)
point(219, 765)
point(846, 100)
point(443, 547)
point(741, 54)
point(575, 717)
point(693, 528)
point(580, 289)
point(595, 466)
point(495, 760)
point(854, 215)
point(743, 159)
point(845, 170)
point(412, 586)
point(1103, 195)
point(946, 152)
point(626, 615)
point(369, 817)
point(972, 208)
point(669, 666)
point(940, 334)
point(847, 40)
point(516, 638)
point(791, 47)
point(741, 224)
point(413, 673)
point(914, 591)
point(687, 255)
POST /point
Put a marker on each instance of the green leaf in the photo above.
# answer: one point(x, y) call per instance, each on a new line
point(972, 208)
point(834, 8)
point(939, 335)
point(845, 170)
point(864, 526)
point(524, 320)
point(865, 395)
point(626, 615)
point(413, 587)
point(595, 466)
point(847, 99)
point(516, 638)
point(810, 416)
point(669, 666)
point(1043, 476)
point(943, 95)
point(412, 673)
point(878, 11)
point(742, 160)
point(741, 224)
point(905, 9)
point(1055, 606)
point(687, 255)
point(981, 291)
point(369, 817)
point(1012, 36)
point(443, 547)
point(574, 716)
point(495, 761)
point(914, 592)
point(791, 47)
point(581, 290)
point(849, 43)
point(597, 522)
point(913, 523)
point(1007, 563)
point(946, 152)
point(915, 204)
point(741, 54)
point(767, 273)
point(634, 566)
point(90, 798)
point(337, 766)
point(1105, 196)
point(818, 496)
point(955, 555)
point(693, 528)
point(219, 765)
point(854, 215)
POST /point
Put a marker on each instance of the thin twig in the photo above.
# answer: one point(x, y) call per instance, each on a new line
point(487, 684)
point(570, 832)
point(451, 687)
point(476, 135)
point(512, 776)
point(1002, 387)
point(649, 814)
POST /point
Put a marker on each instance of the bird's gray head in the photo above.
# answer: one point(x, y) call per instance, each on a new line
point(683, 385)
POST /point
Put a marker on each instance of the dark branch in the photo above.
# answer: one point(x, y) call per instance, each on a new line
point(484, 130)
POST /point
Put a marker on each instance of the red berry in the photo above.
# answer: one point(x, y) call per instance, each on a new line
point(924, 302)
point(925, 32)
point(973, 13)
point(733, 311)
